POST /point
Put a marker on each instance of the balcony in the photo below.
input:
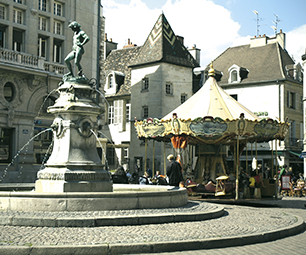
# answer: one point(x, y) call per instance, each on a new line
point(26, 60)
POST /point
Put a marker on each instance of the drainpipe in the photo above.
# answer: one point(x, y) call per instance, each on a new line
point(98, 51)
point(304, 112)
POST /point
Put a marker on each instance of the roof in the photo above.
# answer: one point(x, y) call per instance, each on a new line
point(162, 45)
point(211, 100)
point(119, 60)
point(264, 63)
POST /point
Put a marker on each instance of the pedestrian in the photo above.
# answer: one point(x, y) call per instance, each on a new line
point(174, 171)
point(252, 184)
point(149, 171)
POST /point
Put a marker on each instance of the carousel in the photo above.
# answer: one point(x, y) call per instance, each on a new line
point(214, 123)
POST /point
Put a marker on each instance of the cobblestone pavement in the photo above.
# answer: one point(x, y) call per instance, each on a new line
point(238, 221)
point(290, 245)
point(192, 206)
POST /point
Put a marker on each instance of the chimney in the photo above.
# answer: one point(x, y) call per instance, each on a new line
point(105, 37)
point(196, 53)
point(180, 38)
point(130, 44)
point(264, 40)
point(281, 39)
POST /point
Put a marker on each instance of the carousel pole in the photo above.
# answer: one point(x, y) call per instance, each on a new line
point(256, 157)
point(146, 155)
point(153, 163)
point(246, 157)
point(237, 168)
point(272, 159)
point(164, 158)
point(276, 172)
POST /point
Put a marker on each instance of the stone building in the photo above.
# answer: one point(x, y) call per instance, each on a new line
point(146, 81)
point(34, 40)
point(265, 79)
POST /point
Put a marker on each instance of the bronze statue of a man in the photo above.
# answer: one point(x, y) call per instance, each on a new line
point(79, 39)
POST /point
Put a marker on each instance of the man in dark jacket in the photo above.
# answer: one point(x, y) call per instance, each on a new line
point(174, 172)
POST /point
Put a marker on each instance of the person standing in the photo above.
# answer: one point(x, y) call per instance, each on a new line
point(174, 171)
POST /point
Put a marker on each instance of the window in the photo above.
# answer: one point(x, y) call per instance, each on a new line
point(42, 5)
point(110, 155)
point(128, 112)
point(2, 12)
point(291, 100)
point(235, 96)
point(9, 91)
point(237, 73)
point(169, 88)
point(6, 145)
point(110, 81)
point(57, 27)
point(183, 98)
point(17, 40)
point(18, 1)
point(118, 108)
point(145, 112)
point(125, 154)
point(42, 45)
point(17, 16)
point(2, 36)
point(145, 83)
point(111, 113)
point(57, 9)
point(234, 76)
point(42, 23)
point(57, 51)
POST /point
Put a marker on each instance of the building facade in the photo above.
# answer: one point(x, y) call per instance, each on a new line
point(264, 78)
point(142, 82)
point(34, 40)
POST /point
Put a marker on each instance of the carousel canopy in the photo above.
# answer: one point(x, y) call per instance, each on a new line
point(211, 116)
point(211, 100)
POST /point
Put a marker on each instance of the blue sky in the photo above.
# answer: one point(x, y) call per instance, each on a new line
point(213, 25)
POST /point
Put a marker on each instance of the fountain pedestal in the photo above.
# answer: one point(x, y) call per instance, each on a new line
point(74, 165)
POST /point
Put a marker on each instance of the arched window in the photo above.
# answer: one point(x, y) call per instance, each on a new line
point(234, 76)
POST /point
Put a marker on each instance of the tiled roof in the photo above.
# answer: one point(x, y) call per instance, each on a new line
point(264, 63)
point(162, 45)
point(119, 60)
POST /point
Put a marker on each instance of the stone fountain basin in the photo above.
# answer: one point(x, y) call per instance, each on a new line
point(123, 197)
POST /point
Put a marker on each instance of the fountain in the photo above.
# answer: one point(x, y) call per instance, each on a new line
point(74, 178)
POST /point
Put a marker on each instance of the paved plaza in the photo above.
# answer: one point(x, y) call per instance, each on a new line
point(272, 230)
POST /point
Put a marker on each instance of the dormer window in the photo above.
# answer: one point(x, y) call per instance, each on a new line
point(114, 80)
point(110, 81)
point(234, 76)
point(237, 74)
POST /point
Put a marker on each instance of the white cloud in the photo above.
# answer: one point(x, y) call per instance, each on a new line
point(200, 22)
point(296, 42)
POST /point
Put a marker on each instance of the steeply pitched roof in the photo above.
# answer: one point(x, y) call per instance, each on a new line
point(162, 45)
point(119, 60)
point(264, 63)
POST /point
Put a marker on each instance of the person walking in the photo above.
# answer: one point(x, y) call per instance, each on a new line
point(174, 171)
